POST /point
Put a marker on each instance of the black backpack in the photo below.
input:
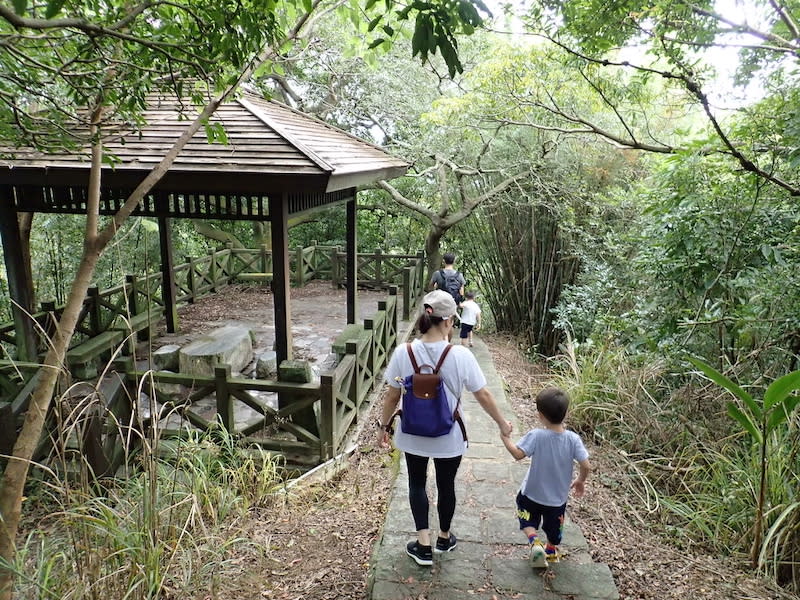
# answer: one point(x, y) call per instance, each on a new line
point(452, 284)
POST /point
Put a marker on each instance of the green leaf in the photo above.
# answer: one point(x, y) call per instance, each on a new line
point(376, 43)
point(780, 388)
point(468, 14)
point(781, 413)
point(423, 31)
point(745, 421)
point(370, 4)
point(374, 23)
point(53, 8)
point(215, 132)
point(729, 385)
point(388, 30)
point(20, 6)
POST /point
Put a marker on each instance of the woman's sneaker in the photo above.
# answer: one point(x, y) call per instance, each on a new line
point(422, 555)
point(538, 557)
point(445, 544)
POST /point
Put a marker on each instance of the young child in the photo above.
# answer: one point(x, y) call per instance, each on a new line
point(542, 498)
point(470, 318)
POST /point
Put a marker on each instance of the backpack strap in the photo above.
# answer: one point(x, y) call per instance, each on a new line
point(413, 358)
point(441, 358)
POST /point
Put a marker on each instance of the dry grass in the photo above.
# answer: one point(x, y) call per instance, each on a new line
point(620, 516)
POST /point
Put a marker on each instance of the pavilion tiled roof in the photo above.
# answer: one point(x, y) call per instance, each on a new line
point(270, 148)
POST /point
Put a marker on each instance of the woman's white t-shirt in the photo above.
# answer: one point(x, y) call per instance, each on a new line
point(460, 370)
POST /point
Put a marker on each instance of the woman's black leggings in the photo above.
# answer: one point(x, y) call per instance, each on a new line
point(446, 469)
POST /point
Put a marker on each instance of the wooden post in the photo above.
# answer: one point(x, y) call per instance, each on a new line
point(327, 417)
point(227, 269)
point(372, 358)
point(93, 442)
point(19, 290)
point(355, 385)
point(407, 271)
point(336, 277)
point(280, 277)
point(132, 295)
point(299, 274)
point(392, 318)
point(168, 288)
point(222, 374)
point(352, 260)
point(265, 259)
point(190, 280)
point(378, 267)
point(212, 269)
point(93, 295)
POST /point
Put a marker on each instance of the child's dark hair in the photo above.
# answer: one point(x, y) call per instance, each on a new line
point(553, 404)
point(426, 321)
point(469, 295)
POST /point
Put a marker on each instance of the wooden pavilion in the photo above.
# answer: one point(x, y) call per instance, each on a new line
point(276, 162)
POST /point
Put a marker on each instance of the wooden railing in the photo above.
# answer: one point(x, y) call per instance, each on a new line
point(339, 396)
point(198, 276)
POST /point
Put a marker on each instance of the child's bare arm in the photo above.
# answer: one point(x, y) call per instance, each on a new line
point(579, 485)
point(512, 448)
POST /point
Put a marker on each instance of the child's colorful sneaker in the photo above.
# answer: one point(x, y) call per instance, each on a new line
point(538, 556)
point(552, 554)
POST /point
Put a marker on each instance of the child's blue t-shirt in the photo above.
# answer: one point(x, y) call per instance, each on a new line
point(552, 459)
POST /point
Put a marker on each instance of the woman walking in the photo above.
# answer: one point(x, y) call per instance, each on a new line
point(458, 370)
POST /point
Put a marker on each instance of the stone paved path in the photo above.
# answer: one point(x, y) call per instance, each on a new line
point(490, 561)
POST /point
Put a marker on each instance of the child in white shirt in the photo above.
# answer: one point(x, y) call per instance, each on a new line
point(470, 318)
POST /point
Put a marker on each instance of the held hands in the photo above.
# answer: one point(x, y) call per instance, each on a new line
point(505, 429)
point(384, 437)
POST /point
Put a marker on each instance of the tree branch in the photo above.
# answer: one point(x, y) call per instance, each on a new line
point(403, 201)
point(694, 89)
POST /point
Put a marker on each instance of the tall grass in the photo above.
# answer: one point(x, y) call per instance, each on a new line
point(690, 463)
point(166, 530)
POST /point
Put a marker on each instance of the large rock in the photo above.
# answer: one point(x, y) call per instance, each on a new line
point(267, 364)
point(167, 358)
point(232, 345)
point(296, 371)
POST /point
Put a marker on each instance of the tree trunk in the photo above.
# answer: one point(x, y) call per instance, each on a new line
point(14, 477)
point(433, 254)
